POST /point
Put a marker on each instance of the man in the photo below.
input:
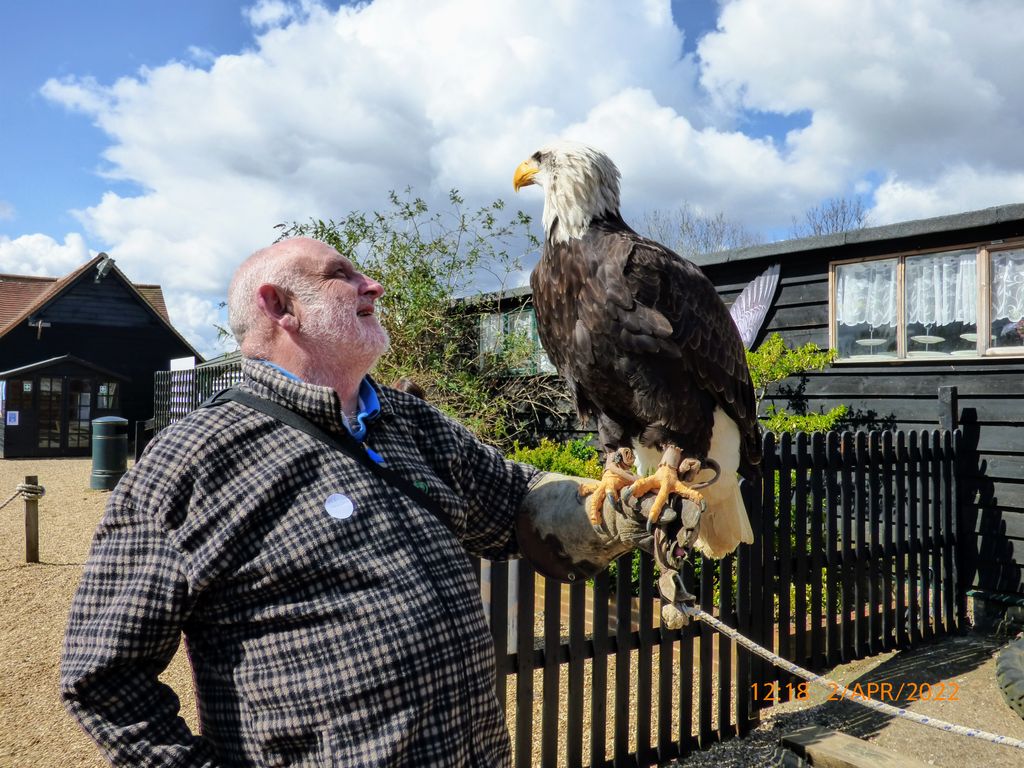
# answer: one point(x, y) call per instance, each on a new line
point(330, 618)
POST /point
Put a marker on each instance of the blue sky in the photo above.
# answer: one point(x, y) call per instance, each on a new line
point(49, 157)
point(174, 135)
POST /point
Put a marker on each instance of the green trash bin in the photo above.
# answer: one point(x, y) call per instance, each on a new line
point(109, 452)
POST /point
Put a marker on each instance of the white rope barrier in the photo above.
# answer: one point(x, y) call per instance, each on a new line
point(864, 701)
point(27, 491)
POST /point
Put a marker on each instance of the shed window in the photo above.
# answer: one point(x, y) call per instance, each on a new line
point(930, 305)
point(1006, 298)
point(106, 396)
point(502, 332)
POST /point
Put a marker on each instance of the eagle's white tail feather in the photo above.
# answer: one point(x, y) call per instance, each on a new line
point(725, 523)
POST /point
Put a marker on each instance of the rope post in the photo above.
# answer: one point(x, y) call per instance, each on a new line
point(31, 523)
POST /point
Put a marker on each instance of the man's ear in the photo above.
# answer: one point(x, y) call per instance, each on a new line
point(275, 304)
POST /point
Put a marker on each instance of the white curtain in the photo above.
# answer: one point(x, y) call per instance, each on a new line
point(942, 288)
point(866, 293)
point(1008, 285)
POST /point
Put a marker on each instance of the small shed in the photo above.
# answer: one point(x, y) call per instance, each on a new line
point(49, 405)
point(75, 348)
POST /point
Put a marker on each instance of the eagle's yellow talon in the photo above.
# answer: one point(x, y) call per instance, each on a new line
point(666, 481)
point(615, 477)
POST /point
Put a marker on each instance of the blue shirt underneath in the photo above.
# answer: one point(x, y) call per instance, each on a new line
point(369, 407)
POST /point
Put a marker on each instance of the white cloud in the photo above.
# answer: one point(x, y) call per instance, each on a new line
point(271, 13)
point(907, 85)
point(328, 110)
point(958, 189)
point(197, 320)
point(42, 255)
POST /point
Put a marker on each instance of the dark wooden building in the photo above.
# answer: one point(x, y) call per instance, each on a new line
point(912, 308)
point(76, 348)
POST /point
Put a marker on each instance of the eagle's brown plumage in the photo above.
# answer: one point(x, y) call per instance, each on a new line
point(638, 332)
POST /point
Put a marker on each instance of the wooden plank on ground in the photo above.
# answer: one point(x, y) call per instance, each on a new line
point(826, 748)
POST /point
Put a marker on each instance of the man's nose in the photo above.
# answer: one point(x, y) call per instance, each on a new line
point(372, 288)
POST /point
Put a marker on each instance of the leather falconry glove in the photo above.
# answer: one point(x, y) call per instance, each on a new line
point(555, 534)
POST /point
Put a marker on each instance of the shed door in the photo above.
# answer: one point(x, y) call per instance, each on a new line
point(51, 395)
point(79, 412)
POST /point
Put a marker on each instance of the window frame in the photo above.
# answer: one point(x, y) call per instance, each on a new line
point(983, 350)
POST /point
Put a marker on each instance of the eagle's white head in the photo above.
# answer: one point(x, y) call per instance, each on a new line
point(580, 184)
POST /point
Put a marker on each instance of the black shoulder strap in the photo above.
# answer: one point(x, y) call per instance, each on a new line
point(346, 444)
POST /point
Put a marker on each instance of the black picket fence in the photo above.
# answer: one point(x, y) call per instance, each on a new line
point(855, 553)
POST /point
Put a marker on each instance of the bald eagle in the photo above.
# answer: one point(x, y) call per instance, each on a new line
point(645, 344)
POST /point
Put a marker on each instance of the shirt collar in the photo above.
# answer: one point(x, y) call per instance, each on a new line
point(369, 408)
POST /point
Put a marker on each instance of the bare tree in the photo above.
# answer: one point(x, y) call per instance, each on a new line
point(690, 233)
point(837, 214)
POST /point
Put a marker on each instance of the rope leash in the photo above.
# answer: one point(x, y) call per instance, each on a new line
point(864, 701)
point(26, 490)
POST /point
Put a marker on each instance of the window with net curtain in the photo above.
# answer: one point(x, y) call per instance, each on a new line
point(865, 308)
point(1007, 298)
point(941, 305)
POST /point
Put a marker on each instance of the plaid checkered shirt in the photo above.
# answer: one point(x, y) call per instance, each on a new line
point(354, 639)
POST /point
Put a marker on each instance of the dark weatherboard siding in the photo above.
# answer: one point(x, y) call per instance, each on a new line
point(905, 394)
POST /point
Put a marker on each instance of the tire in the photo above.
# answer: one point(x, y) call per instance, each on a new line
point(1010, 675)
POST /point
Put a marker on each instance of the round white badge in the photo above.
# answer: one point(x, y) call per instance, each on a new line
point(339, 506)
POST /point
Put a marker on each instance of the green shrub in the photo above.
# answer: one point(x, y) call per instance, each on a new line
point(577, 457)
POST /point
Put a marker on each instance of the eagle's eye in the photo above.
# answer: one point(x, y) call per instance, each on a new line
point(537, 157)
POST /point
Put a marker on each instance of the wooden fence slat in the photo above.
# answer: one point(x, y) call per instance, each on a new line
point(599, 672)
point(666, 667)
point(948, 534)
point(686, 737)
point(846, 480)
point(577, 668)
point(888, 543)
point(818, 562)
point(959, 534)
point(784, 548)
point(645, 658)
point(903, 550)
point(833, 588)
point(860, 549)
point(763, 570)
point(707, 640)
point(752, 501)
point(924, 530)
point(499, 625)
point(549, 680)
point(623, 633)
point(874, 552)
point(525, 599)
point(727, 615)
point(938, 500)
point(914, 536)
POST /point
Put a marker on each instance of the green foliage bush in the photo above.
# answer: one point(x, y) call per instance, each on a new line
point(577, 457)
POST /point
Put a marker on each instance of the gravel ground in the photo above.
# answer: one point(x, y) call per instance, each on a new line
point(35, 732)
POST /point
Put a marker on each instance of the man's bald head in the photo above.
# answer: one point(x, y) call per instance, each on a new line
point(278, 264)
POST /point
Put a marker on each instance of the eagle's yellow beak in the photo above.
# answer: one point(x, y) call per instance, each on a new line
point(524, 174)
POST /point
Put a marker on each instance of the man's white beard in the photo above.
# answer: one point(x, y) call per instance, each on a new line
point(347, 345)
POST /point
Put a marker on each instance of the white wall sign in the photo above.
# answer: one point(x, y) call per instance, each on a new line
point(12, 418)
